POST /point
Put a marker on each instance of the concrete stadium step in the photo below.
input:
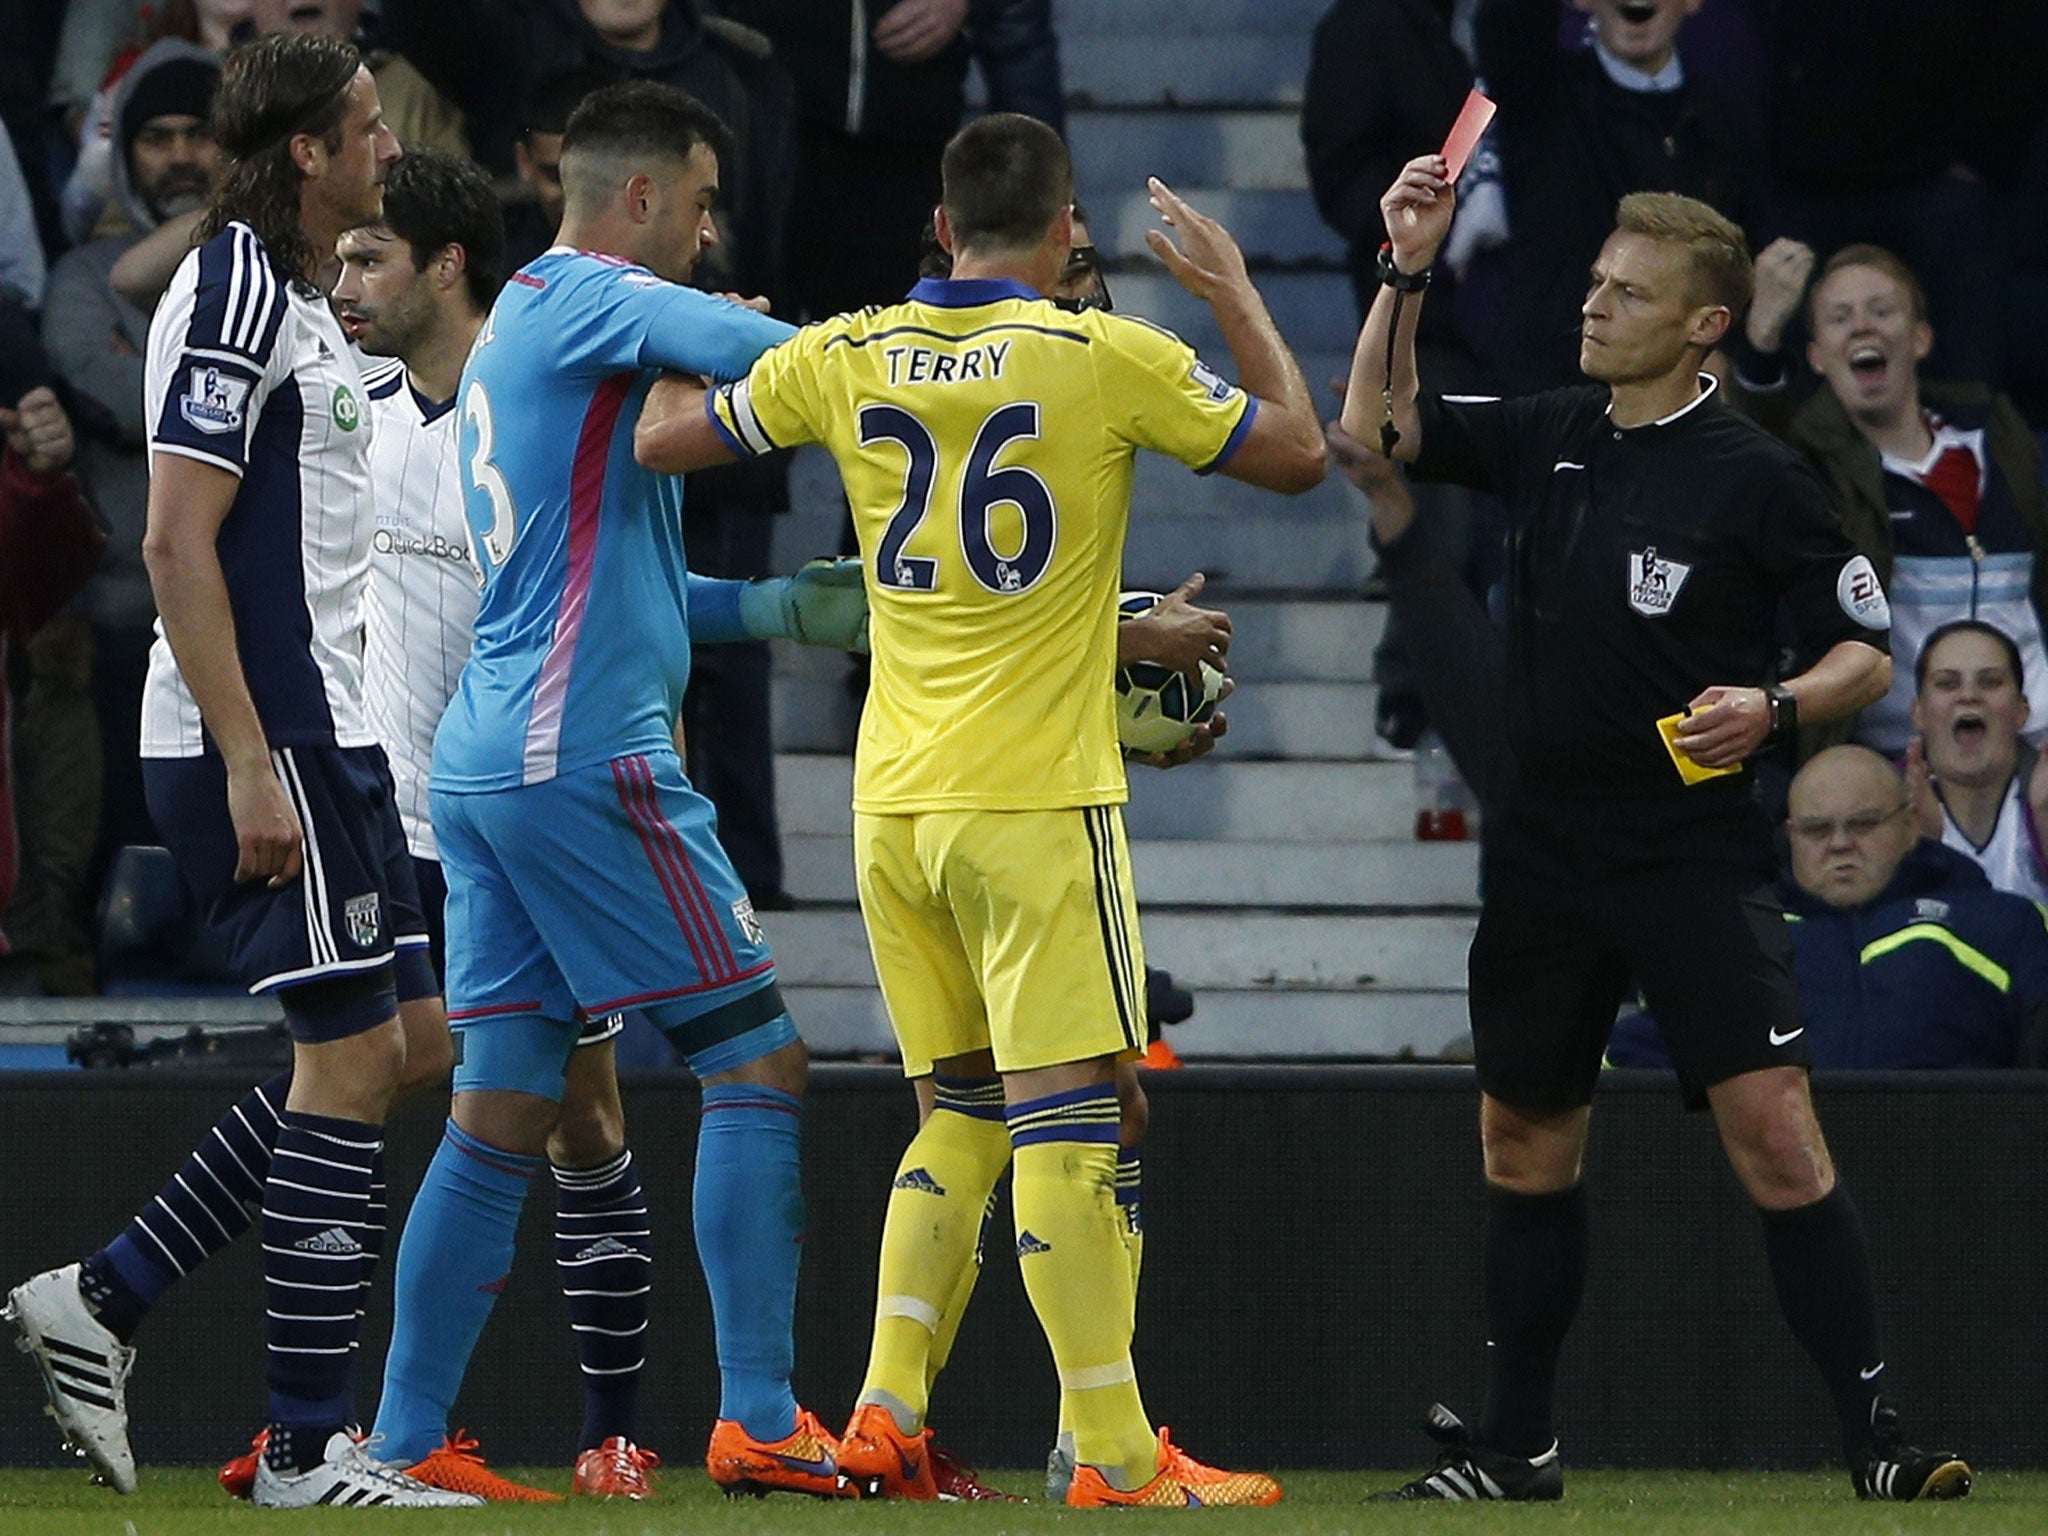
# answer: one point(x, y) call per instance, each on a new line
point(1314, 310)
point(1271, 225)
point(1318, 952)
point(1221, 799)
point(1314, 637)
point(1242, 537)
point(1278, 719)
point(1168, 66)
point(1115, 151)
point(1187, 874)
point(1077, 19)
point(1229, 1024)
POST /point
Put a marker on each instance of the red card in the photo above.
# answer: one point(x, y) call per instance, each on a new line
point(1464, 137)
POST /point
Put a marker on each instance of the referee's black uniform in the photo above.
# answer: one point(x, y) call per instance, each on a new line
point(1645, 565)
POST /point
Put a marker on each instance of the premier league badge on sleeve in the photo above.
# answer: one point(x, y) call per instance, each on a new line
point(1654, 582)
point(213, 401)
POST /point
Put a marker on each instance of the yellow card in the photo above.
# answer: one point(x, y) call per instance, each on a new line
point(1688, 770)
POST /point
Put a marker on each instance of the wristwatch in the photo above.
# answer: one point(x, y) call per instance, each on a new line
point(1784, 707)
point(1393, 277)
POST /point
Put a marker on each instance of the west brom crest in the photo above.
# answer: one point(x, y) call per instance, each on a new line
point(1654, 582)
point(363, 915)
point(750, 925)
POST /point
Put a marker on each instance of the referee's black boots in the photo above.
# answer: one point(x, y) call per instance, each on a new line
point(1467, 1471)
point(1888, 1468)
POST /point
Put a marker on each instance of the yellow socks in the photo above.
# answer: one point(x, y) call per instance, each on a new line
point(929, 1242)
point(1077, 1271)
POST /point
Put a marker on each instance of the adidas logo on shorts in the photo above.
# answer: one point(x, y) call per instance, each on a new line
point(919, 1179)
point(1027, 1243)
point(334, 1240)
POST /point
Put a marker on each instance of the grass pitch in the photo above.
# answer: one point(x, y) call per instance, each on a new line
point(185, 1501)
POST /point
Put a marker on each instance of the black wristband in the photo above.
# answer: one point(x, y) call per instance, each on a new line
point(1784, 705)
point(1393, 277)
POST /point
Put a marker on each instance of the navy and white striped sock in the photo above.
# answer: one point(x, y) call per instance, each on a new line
point(316, 1218)
point(208, 1203)
point(374, 1225)
point(604, 1249)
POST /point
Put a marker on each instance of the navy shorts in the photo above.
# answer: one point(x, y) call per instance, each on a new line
point(1569, 926)
point(354, 904)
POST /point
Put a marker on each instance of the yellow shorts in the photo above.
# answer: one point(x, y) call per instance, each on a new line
point(1013, 931)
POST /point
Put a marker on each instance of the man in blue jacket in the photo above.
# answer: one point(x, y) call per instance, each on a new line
point(1904, 954)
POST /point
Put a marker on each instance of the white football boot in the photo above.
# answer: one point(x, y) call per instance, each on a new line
point(350, 1478)
point(85, 1370)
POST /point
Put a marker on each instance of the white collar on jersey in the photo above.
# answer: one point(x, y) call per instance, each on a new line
point(1708, 384)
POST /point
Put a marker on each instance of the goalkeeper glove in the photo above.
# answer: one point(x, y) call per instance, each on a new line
point(824, 603)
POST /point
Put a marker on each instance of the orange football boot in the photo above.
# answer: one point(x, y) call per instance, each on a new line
point(238, 1477)
point(806, 1460)
point(885, 1462)
point(617, 1469)
point(1182, 1483)
point(455, 1465)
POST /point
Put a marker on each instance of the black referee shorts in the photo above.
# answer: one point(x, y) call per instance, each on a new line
point(1704, 937)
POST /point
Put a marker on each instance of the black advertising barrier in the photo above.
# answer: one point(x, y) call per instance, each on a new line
point(1311, 1275)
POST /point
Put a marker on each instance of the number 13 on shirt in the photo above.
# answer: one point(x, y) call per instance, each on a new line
point(495, 542)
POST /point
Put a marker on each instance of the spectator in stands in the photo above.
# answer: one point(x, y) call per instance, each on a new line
point(1013, 45)
point(413, 109)
point(489, 55)
point(876, 104)
point(1889, 122)
point(23, 270)
point(1578, 131)
point(48, 546)
point(1977, 787)
point(32, 30)
point(92, 203)
point(1904, 954)
point(1462, 676)
point(164, 169)
point(1939, 484)
point(1385, 82)
point(530, 223)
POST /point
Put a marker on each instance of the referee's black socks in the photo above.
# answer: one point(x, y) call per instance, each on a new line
point(1535, 1275)
point(1821, 1266)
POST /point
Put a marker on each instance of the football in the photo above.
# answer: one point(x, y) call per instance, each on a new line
point(1157, 708)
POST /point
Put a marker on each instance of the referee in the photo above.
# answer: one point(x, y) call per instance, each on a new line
point(1655, 538)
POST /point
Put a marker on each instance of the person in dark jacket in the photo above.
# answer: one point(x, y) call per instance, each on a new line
point(1905, 956)
point(164, 166)
point(1578, 131)
point(1939, 484)
point(49, 544)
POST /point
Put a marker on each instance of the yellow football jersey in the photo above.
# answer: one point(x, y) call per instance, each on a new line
point(986, 439)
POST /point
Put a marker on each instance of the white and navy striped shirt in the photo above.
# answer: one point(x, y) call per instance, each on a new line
point(423, 585)
point(250, 375)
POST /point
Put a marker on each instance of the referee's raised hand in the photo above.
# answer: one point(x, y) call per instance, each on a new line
point(1418, 208)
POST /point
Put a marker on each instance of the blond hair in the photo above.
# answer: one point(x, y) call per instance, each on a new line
point(1722, 272)
point(1877, 257)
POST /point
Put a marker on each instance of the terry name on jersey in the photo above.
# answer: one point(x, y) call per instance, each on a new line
point(921, 365)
